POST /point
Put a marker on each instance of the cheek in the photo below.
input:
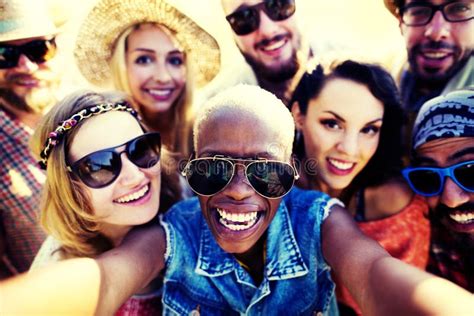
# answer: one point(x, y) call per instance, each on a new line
point(317, 140)
point(370, 147)
point(178, 75)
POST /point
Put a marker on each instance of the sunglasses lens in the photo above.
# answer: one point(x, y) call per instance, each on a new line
point(208, 176)
point(271, 179)
point(279, 10)
point(465, 175)
point(99, 169)
point(144, 151)
point(244, 21)
point(426, 182)
point(8, 57)
point(40, 51)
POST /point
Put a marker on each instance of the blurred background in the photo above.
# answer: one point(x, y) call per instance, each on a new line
point(361, 26)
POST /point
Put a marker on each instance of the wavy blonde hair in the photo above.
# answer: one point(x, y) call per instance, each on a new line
point(183, 109)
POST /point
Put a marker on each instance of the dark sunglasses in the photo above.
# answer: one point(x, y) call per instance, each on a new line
point(428, 181)
point(37, 51)
point(419, 14)
point(269, 178)
point(246, 20)
point(100, 168)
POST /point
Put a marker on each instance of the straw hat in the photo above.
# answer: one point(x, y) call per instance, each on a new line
point(393, 6)
point(109, 18)
point(21, 19)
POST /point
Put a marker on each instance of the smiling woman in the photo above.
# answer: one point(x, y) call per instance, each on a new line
point(156, 54)
point(349, 123)
point(103, 178)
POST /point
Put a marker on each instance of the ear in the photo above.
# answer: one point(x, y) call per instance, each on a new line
point(298, 117)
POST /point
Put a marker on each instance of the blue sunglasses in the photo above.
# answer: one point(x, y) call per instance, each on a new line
point(428, 181)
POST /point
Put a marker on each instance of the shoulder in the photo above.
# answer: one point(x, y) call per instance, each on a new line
point(309, 202)
point(47, 254)
point(387, 199)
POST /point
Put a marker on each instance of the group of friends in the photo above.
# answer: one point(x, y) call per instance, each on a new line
point(177, 187)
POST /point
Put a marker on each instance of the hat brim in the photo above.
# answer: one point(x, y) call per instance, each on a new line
point(110, 18)
point(392, 7)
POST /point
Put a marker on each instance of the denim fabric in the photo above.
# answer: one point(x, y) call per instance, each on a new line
point(200, 276)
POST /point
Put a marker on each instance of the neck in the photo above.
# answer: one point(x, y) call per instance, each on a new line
point(162, 123)
point(115, 233)
point(254, 260)
point(28, 118)
point(281, 89)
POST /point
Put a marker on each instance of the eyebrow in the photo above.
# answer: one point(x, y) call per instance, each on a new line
point(459, 154)
point(343, 120)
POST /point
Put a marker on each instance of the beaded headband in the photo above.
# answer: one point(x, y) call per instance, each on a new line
point(57, 135)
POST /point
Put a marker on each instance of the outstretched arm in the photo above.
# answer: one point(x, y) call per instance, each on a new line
point(87, 286)
point(383, 285)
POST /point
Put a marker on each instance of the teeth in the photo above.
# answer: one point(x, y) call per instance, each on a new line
point(274, 46)
point(341, 165)
point(160, 92)
point(237, 221)
point(435, 55)
point(133, 196)
point(462, 218)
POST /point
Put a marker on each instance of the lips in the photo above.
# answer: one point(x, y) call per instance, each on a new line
point(340, 167)
point(237, 221)
point(274, 46)
point(162, 94)
point(462, 217)
point(135, 196)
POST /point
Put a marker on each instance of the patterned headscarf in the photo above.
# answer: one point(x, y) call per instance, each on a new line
point(451, 115)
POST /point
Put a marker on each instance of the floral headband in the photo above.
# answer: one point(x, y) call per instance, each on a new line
point(57, 135)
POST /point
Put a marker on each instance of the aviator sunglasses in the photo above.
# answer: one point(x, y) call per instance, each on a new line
point(269, 178)
point(429, 181)
point(100, 168)
point(37, 51)
point(246, 19)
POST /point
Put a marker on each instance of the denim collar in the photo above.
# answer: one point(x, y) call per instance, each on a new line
point(284, 259)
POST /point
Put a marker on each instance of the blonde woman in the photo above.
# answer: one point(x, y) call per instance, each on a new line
point(154, 53)
point(102, 179)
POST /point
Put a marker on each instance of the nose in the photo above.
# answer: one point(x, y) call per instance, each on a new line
point(348, 144)
point(452, 195)
point(239, 188)
point(26, 65)
point(438, 28)
point(267, 28)
point(161, 73)
point(130, 174)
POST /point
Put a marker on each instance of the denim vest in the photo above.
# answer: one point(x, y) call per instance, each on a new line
point(201, 278)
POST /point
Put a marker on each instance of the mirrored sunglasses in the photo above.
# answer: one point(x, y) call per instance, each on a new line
point(269, 178)
point(38, 51)
point(246, 19)
point(429, 181)
point(100, 168)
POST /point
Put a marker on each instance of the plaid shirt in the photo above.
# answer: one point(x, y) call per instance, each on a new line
point(21, 181)
point(451, 260)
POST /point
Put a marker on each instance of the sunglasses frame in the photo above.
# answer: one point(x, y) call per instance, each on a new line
point(49, 44)
point(246, 164)
point(262, 6)
point(434, 9)
point(74, 167)
point(441, 172)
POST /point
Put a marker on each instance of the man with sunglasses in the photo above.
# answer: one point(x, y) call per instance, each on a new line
point(28, 84)
point(443, 171)
point(439, 39)
point(268, 36)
